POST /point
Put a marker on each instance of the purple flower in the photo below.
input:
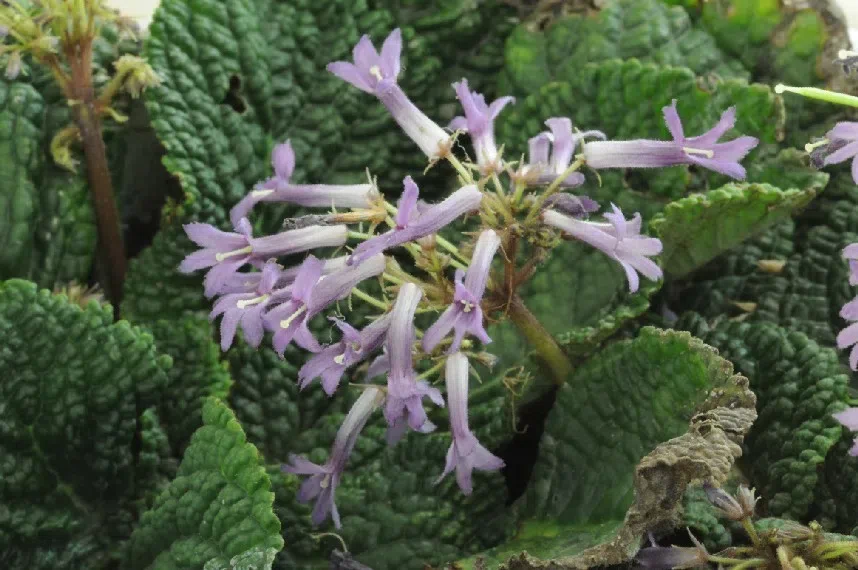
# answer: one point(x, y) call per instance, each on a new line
point(249, 282)
point(620, 239)
point(562, 143)
point(479, 123)
point(323, 481)
point(849, 419)
point(376, 74)
point(465, 453)
point(246, 309)
point(464, 315)
point(278, 189)
point(703, 150)
point(849, 336)
point(412, 224)
point(850, 253)
point(310, 294)
point(227, 252)
point(842, 145)
point(332, 361)
point(404, 393)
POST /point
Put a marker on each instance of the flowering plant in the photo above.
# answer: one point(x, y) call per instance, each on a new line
point(572, 267)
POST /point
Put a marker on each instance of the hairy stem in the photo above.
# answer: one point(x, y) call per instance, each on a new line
point(86, 116)
point(541, 340)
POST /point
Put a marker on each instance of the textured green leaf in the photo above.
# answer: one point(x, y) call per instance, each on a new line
point(610, 467)
point(698, 228)
point(48, 229)
point(74, 388)
point(393, 515)
point(798, 384)
point(197, 374)
point(704, 522)
point(624, 99)
point(217, 513)
point(643, 29)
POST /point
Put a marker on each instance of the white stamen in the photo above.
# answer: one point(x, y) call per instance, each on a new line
point(247, 302)
point(284, 324)
point(846, 54)
point(810, 147)
point(325, 481)
point(340, 359)
point(468, 306)
point(242, 251)
point(261, 193)
point(698, 151)
point(376, 72)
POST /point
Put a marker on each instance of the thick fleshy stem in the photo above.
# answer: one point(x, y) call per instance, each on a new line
point(541, 340)
point(86, 116)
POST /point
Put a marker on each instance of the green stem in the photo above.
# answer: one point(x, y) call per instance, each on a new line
point(541, 340)
point(821, 94)
point(552, 189)
point(369, 299)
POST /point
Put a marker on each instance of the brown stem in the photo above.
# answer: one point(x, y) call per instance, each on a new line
point(540, 339)
point(86, 116)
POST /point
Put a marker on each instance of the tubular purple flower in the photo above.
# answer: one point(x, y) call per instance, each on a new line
point(849, 336)
point(465, 453)
point(324, 479)
point(311, 294)
point(297, 241)
point(850, 254)
point(278, 189)
point(248, 282)
point(227, 252)
point(404, 393)
point(843, 145)
point(562, 142)
point(619, 239)
point(703, 150)
point(479, 123)
point(412, 224)
point(376, 74)
point(673, 557)
point(848, 418)
point(289, 320)
point(355, 346)
point(224, 252)
point(464, 315)
point(246, 309)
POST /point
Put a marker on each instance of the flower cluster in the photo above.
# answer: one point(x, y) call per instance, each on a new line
point(358, 236)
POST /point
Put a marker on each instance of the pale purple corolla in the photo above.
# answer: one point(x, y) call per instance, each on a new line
point(324, 479)
point(248, 282)
point(849, 336)
point(464, 315)
point(227, 252)
point(551, 153)
point(404, 404)
point(310, 294)
point(414, 222)
point(619, 239)
point(703, 150)
point(479, 123)
point(840, 144)
point(355, 346)
point(466, 453)
point(279, 189)
point(247, 309)
point(673, 557)
point(850, 254)
point(848, 418)
point(376, 73)
point(572, 205)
